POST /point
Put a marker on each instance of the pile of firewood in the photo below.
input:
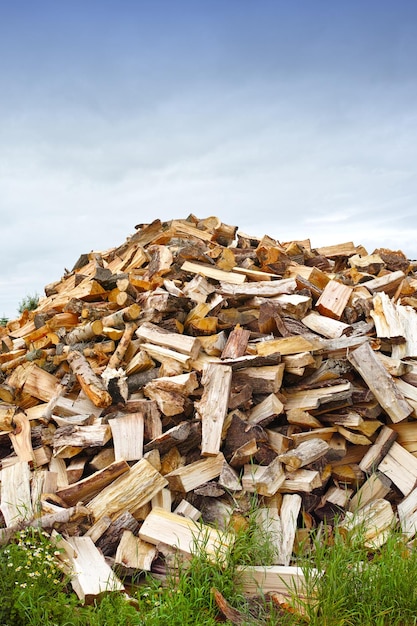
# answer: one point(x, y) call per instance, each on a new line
point(178, 376)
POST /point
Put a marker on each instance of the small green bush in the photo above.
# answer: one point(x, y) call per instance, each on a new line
point(29, 303)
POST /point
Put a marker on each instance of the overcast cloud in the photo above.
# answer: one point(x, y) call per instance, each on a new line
point(292, 119)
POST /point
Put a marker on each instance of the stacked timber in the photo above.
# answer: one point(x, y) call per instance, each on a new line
point(174, 378)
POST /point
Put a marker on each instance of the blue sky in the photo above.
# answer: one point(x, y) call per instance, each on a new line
point(294, 119)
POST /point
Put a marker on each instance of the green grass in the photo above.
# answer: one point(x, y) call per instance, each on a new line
point(358, 587)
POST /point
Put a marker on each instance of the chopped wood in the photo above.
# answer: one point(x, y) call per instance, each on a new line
point(380, 382)
point(202, 361)
point(133, 554)
point(16, 502)
point(264, 480)
point(93, 386)
point(91, 577)
point(182, 533)
point(373, 522)
point(325, 325)
point(128, 492)
point(305, 453)
point(213, 272)
point(401, 467)
point(377, 486)
point(212, 407)
point(85, 489)
point(193, 475)
point(127, 432)
point(378, 450)
point(334, 299)
point(388, 283)
point(151, 333)
point(263, 579)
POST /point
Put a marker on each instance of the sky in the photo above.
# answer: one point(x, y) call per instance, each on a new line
point(296, 119)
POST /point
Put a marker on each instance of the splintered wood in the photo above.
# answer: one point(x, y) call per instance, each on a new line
point(163, 384)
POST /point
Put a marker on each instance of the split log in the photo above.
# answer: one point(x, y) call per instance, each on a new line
point(380, 382)
point(263, 479)
point(262, 380)
point(373, 522)
point(212, 408)
point(52, 520)
point(266, 411)
point(183, 534)
point(305, 453)
point(21, 438)
point(109, 539)
point(16, 502)
point(128, 492)
point(236, 344)
point(133, 554)
point(118, 355)
point(87, 331)
point(266, 289)
point(88, 487)
point(388, 283)
point(283, 579)
point(334, 299)
point(325, 325)
point(151, 333)
point(378, 450)
point(302, 480)
point(170, 438)
point(7, 413)
point(91, 384)
point(81, 436)
point(407, 513)
point(401, 467)
point(377, 486)
point(193, 475)
point(287, 345)
point(91, 577)
point(127, 432)
point(40, 384)
point(213, 272)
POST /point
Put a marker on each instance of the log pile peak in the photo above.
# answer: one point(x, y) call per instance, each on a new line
point(177, 376)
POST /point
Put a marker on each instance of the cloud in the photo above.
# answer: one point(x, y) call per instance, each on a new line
point(297, 124)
